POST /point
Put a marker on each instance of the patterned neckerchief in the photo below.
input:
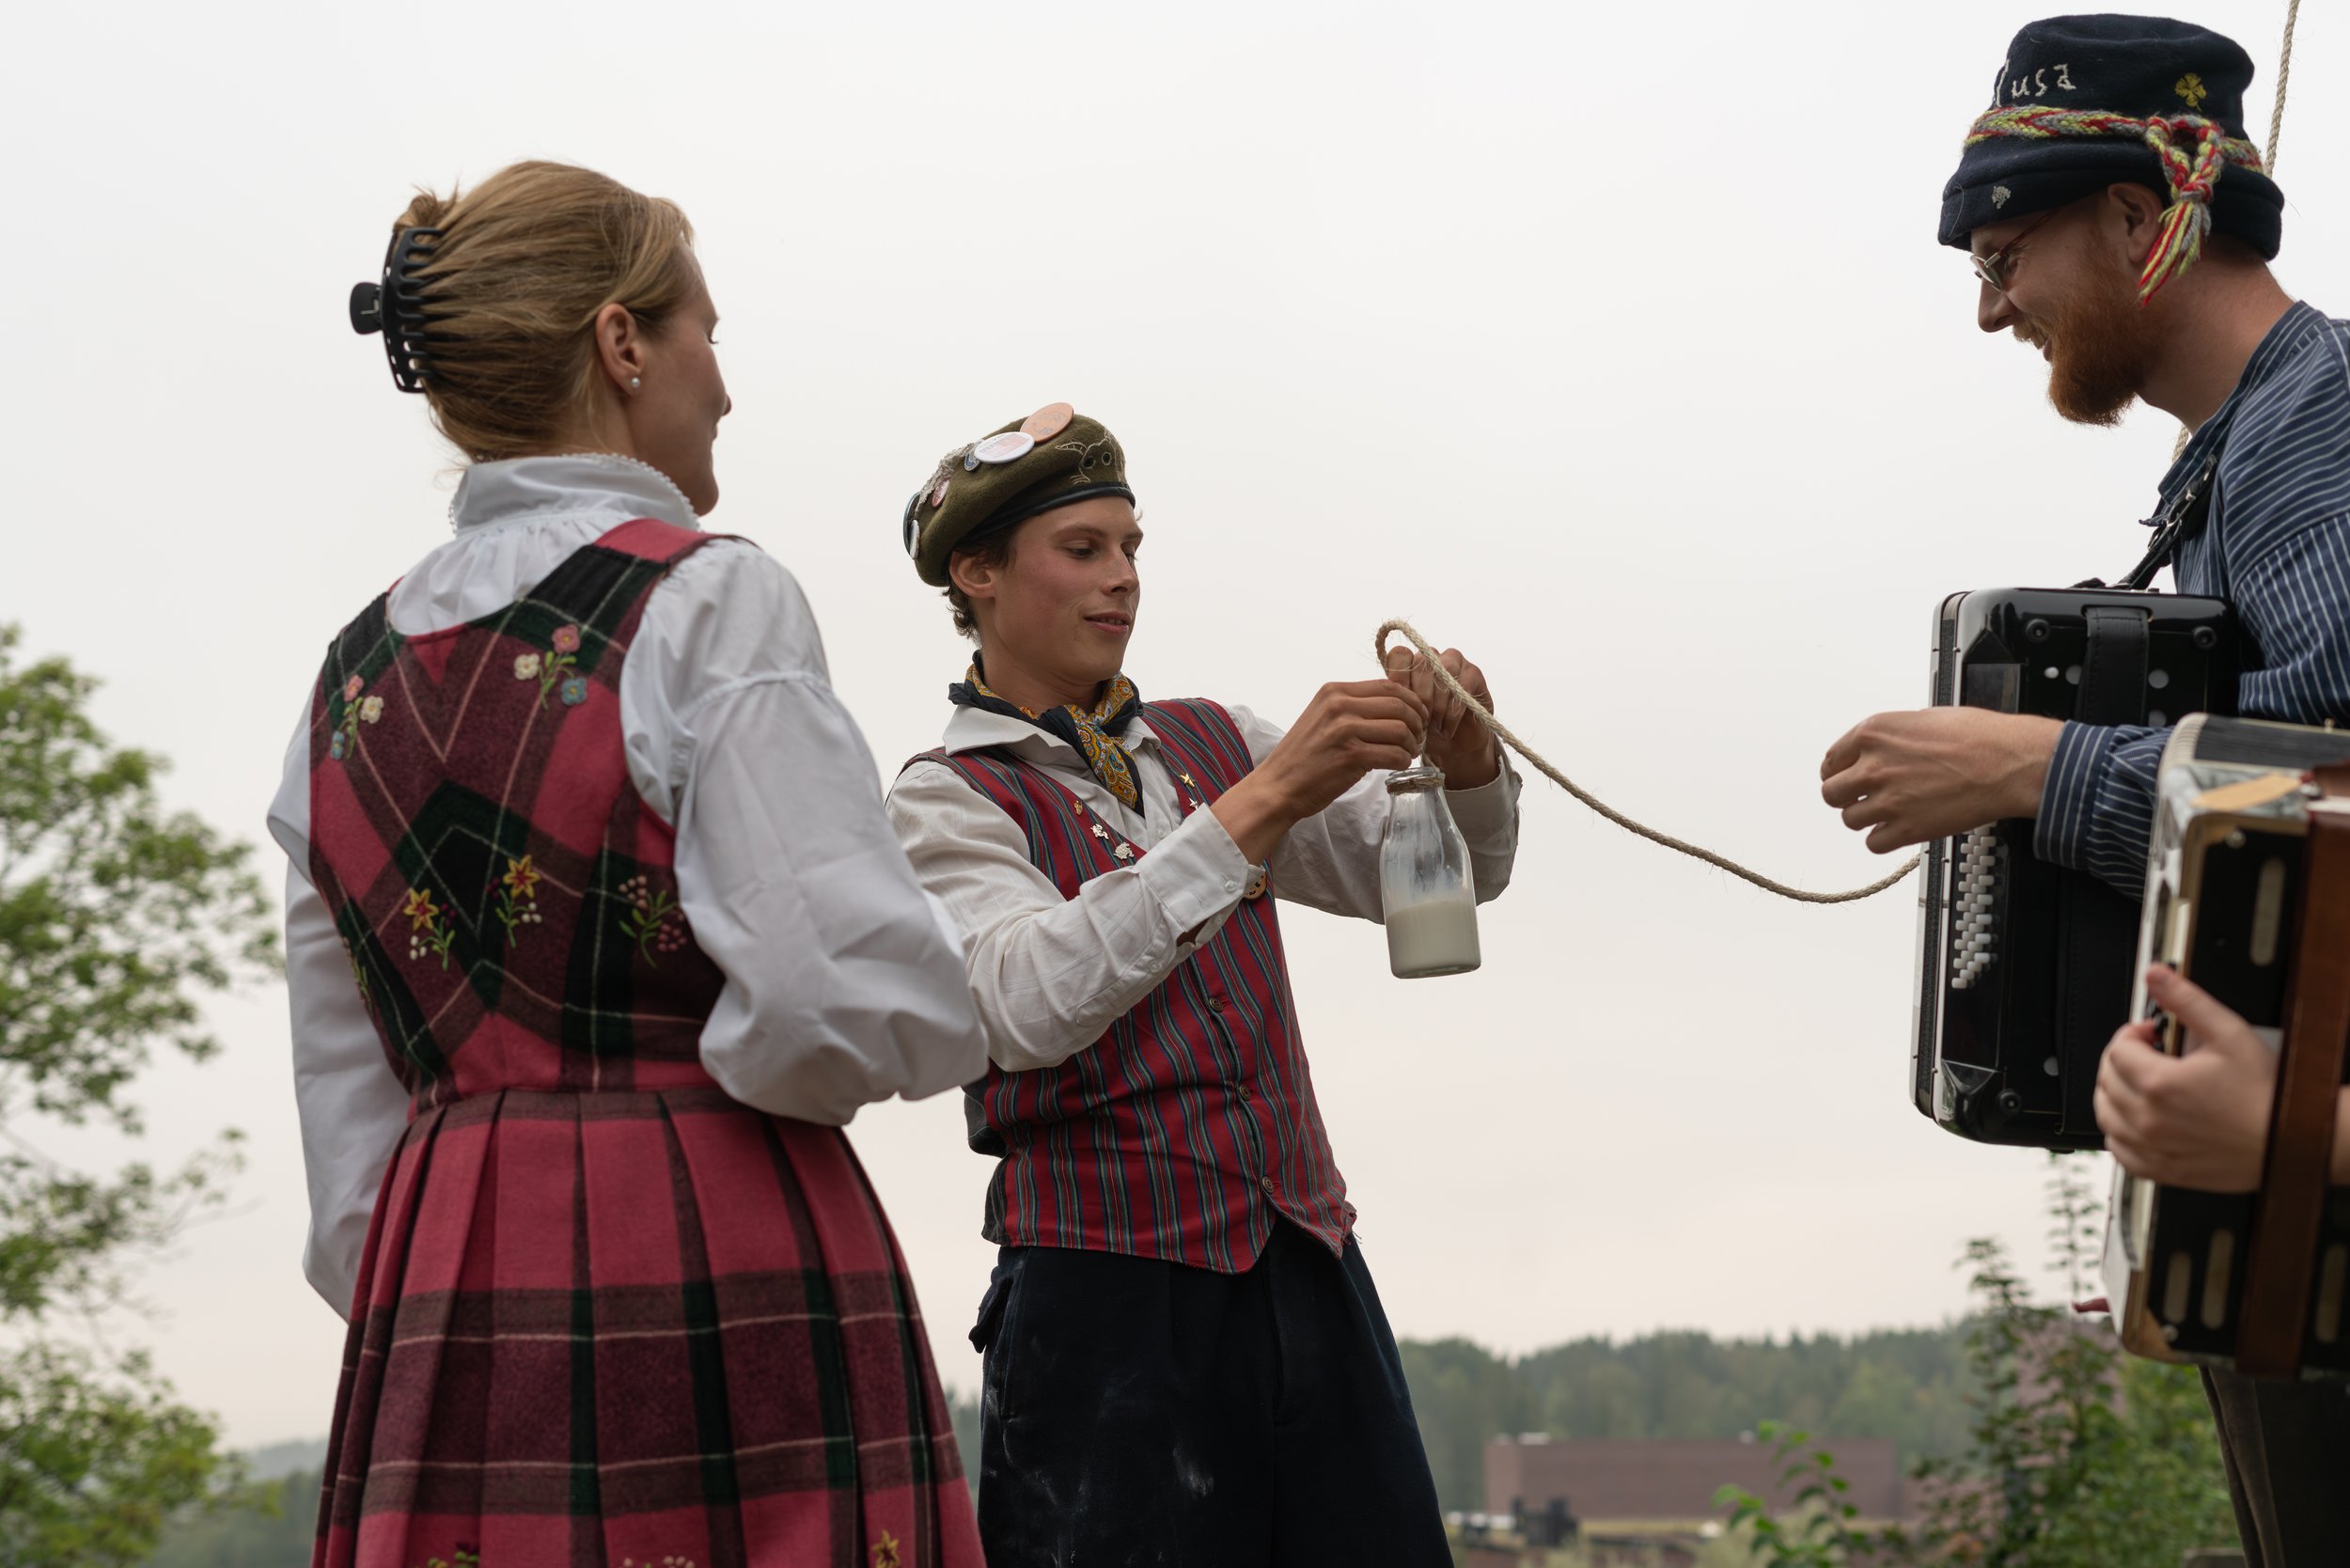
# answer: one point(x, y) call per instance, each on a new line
point(1093, 731)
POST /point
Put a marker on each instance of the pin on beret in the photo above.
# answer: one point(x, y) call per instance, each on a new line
point(1053, 457)
point(2082, 103)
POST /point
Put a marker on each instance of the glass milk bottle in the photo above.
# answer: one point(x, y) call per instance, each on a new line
point(1425, 884)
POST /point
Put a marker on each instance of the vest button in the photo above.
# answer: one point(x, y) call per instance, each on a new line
point(1266, 1182)
point(1240, 1089)
point(1216, 1004)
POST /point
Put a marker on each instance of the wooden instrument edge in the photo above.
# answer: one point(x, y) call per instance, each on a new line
point(2280, 1253)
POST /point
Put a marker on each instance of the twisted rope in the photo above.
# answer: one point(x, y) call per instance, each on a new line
point(2284, 75)
point(2276, 129)
point(2191, 176)
point(1484, 716)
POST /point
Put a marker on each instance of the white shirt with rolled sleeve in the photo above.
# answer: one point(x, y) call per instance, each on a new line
point(845, 982)
point(1052, 974)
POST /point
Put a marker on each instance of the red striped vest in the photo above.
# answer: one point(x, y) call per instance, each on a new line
point(505, 895)
point(1185, 1130)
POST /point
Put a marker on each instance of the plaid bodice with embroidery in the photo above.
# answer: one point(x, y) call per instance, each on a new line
point(508, 900)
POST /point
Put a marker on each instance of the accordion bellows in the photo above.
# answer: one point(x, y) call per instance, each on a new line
point(2248, 866)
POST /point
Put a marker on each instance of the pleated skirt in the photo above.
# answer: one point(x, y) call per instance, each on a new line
point(635, 1330)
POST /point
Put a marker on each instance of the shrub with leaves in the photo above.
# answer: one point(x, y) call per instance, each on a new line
point(1825, 1531)
point(2078, 1457)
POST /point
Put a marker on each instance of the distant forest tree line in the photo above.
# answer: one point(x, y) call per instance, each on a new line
point(1909, 1386)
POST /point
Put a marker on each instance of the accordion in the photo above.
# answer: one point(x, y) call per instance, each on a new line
point(2024, 967)
point(2247, 894)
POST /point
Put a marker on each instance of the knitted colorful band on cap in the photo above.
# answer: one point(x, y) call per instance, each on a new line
point(2191, 177)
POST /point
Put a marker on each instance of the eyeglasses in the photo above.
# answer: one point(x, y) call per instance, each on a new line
point(1993, 268)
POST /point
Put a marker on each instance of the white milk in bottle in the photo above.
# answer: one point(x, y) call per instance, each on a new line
point(1437, 938)
point(1427, 892)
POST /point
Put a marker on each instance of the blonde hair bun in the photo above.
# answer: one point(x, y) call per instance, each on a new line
point(524, 261)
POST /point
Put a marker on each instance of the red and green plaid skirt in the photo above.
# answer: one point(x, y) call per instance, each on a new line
point(636, 1331)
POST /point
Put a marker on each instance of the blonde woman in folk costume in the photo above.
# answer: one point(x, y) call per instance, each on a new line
point(598, 934)
point(1186, 1360)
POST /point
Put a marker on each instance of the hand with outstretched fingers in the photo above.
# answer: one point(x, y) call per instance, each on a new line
point(1907, 777)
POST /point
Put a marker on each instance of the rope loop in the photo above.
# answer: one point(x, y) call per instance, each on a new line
point(1484, 716)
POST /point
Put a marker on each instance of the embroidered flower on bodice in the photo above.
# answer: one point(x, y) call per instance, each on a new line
point(344, 742)
point(651, 919)
point(427, 933)
point(518, 898)
point(553, 669)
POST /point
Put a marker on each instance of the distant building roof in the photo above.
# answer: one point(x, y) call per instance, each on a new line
point(1667, 1482)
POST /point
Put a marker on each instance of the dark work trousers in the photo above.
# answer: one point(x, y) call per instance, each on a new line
point(2285, 1445)
point(1143, 1412)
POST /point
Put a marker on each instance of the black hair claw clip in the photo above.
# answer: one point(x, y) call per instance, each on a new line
point(395, 307)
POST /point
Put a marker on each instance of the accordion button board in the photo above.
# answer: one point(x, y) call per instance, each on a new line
point(1975, 883)
point(2024, 967)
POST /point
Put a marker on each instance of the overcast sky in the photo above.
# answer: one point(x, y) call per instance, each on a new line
point(1610, 344)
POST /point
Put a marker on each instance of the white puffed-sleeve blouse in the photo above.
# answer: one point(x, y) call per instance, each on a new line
point(845, 982)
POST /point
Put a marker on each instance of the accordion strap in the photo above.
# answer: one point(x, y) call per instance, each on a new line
point(2182, 522)
point(2283, 1243)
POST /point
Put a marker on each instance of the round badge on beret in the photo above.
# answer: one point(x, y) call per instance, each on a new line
point(1053, 457)
point(1048, 421)
point(1009, 446)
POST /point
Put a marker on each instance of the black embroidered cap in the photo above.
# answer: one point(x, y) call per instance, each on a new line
point(2082, 103)
point(1051, 458)
point(395, 307)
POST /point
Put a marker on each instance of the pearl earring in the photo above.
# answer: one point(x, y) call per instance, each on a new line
point(636, 383)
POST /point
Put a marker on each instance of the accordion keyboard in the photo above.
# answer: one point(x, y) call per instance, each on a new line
point(1974, 942)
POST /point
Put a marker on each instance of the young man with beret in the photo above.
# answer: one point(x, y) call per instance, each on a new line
point(2121, 223)
point(1186, 1361)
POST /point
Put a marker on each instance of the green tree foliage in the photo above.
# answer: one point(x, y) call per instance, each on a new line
point(114, 918)
point(276, 1535)
point(1909, 1386)
point(1823, 1528)
point(2078, 1454)
point(965, 1415)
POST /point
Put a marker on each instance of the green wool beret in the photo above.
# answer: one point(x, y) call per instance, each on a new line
point(1051, 458)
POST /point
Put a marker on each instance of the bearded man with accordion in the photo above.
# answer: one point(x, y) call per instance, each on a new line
point(2121, 222)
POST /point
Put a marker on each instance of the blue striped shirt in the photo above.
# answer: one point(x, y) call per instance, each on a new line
point(2278, 547)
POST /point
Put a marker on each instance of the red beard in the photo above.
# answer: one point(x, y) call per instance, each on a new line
point(2101, 346)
